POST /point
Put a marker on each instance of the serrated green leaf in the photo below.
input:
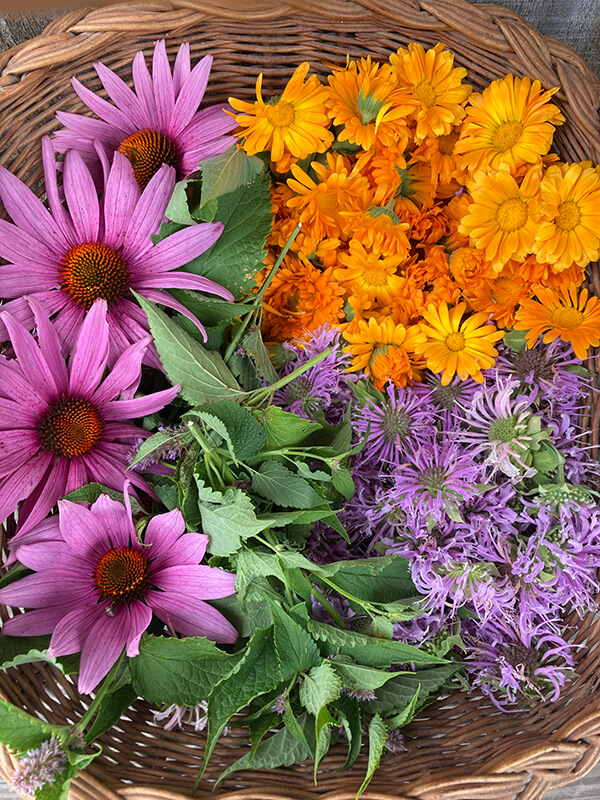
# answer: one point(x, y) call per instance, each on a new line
point(19, 730)
point(397, 693)
point(295, 647)
point(375, 580)
point(202, 375)
point(358, 678)
point(283, 487)
point(226, 172)
point(405, 716)
point(230, 523)
point(322, 685)
point(284, 429)
point(349, 711)
point(253, 345)
point(377, 737)
point(181, 671)
point(342, 480)
point(323, 724)
point(245, 432)
point(259, 728)
point(209, 312)
point(178, 210)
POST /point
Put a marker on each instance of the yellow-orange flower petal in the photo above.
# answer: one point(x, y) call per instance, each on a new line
point(373, 272)
point(575, 319)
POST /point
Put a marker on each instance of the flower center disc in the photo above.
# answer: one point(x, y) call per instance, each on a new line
point(502, 430)
point(447, 142)
point(94, 270)
point(569, 216)
point(280, 115)
point(147, 151)
point(396, 425)
point(425, 92)
point(122, 574)
point(376, 276)
point(512, 214)
point(71, 427)
point(455, 342)
point(567, 318)
point(507, 135)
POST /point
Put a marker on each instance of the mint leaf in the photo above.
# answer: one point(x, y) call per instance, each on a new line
point(349, 711)
point(343, 482)
point(253, 345)
point(375, 580)
point(322, 685)
point(284, 429)
point(209, 312)
point(203, 375)
point(398, 692)
point(358, 678)
point(19, 730)
point(245, 432)
point(284, 487)
point(226, 172)
point(296, 650)
point(181, 671)
point(161, 441)
point(377, 737)
point(230, 523)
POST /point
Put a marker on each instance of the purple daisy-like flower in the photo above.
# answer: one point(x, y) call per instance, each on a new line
point(403, 419)
point(158, 123)
point(97, 249)
point(96, 590)
point(61, 424)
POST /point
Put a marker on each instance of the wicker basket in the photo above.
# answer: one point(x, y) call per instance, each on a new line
point(461, 748)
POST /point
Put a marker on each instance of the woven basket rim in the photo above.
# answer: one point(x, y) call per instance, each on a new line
point(575, 747)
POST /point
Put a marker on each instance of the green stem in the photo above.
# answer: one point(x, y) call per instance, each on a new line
point(328, 607)
point(104, 687)
point(259, 394)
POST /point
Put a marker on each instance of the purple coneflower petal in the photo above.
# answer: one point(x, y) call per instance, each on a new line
point(143, 87)
point(122, 96)
point(48, 587)
point(78, 475)
point(140, 406)
point(16, 388)
point(176, 250)
point(30, 358)
point(83, 531)
point(190, 95)
point(162, 81)
point(57, 209)
point(49, 344)
point(12, 445)
point(22, 482)
point(68, 323)
point(20, 308)
point(78, 128)
point(71, 632)
point(148, 214)
point(104, 109)
point(90, 354)
point(116, 524)
point(19, 279)
point(164, 530)
point(125, 373)
point(191, 617)
point(15, 415)
point(188, 549)
point(81, 197)
point(120, 199)
point(192, 158)
point(208, 124)
point(38, 504)
point(198, 581)
point(182, 67)
point(28, 212)
point(20, 247)
point(186, 280)
point(36, 623)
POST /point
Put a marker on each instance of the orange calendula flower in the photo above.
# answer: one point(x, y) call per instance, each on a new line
point(299, 299)
point(469, 267)
point(380, 229)
point(575, 319)
point(503, 217)
point(439, 153)
point(382, 166)
point(455, 346)
point(384, 345)
point(373, 272)
point(511, 122)
point(319, 205)
point(501, 294)
point(365, 100)
point(291, 126)
point(416, 190)
point(569, 231)
point(436, 86)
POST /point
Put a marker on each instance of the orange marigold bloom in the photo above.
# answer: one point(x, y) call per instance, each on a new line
point(365, 100)
point(319, 205)
point(291, 126)
point(436, 86)
point(444, 291)
point(370, 340)
point(382, 165)
point(500, 295)
point(455, 210)
point(416, 189)
point(427, 226)
point(575, 319)
point(535, 271)
point(503, 217)
point(511, 122)
point(469, 267)
point(373, 272)
point(430, 268)
point(457, 347)
point(438, 152)
point(383, 232)
point(299, 299)
point(569, 231)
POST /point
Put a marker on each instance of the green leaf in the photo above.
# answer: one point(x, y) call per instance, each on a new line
point(178, 210)
point(284, 429)
point(260, 727)
point(15, 573)
point(59, 788)
point(375, 580)
point(209, 312)
point(405, 716)
point(203, 375)
point(161, 441)
point(92, 491)
point(295, 647)
point(358, 678)
point(398, 692)
point(254, 346)
point(19, 730)
point(349, 711)
point(280, 750)
point(284, 487)
point(245, 432)
point(226, 172)
point(112, 706)
point(515, 341)
point(237, 255)
point(342, 480)
point(323, 724)
point(230, 522)
point(181, 671)
point(369, 650)
point(322, 685)
point(377, 737)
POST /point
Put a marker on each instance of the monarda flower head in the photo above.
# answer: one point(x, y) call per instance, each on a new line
point(96, 588)
point(158, 123)
point(67, 259)
point(61, 425)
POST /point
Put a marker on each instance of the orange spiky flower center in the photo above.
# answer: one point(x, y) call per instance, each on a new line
point(94, 270)
point(71, 427)
point(147, 151)
point(121, 574)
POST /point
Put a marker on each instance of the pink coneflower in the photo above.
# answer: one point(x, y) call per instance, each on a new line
point(96, 249)
point(96, 589)
point(61, 425)
point(157, 124)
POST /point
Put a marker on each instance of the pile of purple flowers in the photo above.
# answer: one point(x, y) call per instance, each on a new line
point(488, 491)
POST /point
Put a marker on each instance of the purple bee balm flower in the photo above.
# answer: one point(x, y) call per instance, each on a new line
point(403, 419)
point(69, 259)
point(158, 123)
point(96, 590)
point(61, 424)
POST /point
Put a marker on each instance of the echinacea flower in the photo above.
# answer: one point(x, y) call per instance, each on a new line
point(158, 123)
point(61, 425)
point(96, 590)
point(573, 317)
point(68, 259)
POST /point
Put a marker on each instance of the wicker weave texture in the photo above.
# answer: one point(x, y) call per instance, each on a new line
point(461, 748)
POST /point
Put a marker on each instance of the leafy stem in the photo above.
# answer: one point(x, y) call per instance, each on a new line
point(102, 691)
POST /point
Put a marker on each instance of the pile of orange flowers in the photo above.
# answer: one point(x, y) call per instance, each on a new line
point(432, 217)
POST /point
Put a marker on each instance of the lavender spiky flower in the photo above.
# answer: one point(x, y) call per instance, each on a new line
point(177, 716)
point(39, 766)
point(280, 703)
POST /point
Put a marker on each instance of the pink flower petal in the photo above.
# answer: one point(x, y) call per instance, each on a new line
point(122, 96)
point(78, 475)
point(176, 250)
point(36, 623)
point(14, 415)
point(49, 344)
point(32, 362)
point(85, 532)
point(19, 279)
point(182, 67)
point(15, 386)
point(103, 109)
point(12, 445)
point(190, 96)
point(120, 199)
point(193, 156)
point(185, 280)
point(191, 617)
point(20, 247)
point(81, 197)
point(113, 517)
point(162, 80)
point(198, 581)
point(43, 498)
point(187, 549)
point(148, 214)
point(88, 360)
point(20, 309)
point(79, 127)
point(63, 220)
point(73, 629)
point(163, 531)
point(46, 588)
point(67, 323)
point(140, 406)
point(22, 482)
point(143, 87)
point(124, 373)
point(43, 555)
point(169, 301)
